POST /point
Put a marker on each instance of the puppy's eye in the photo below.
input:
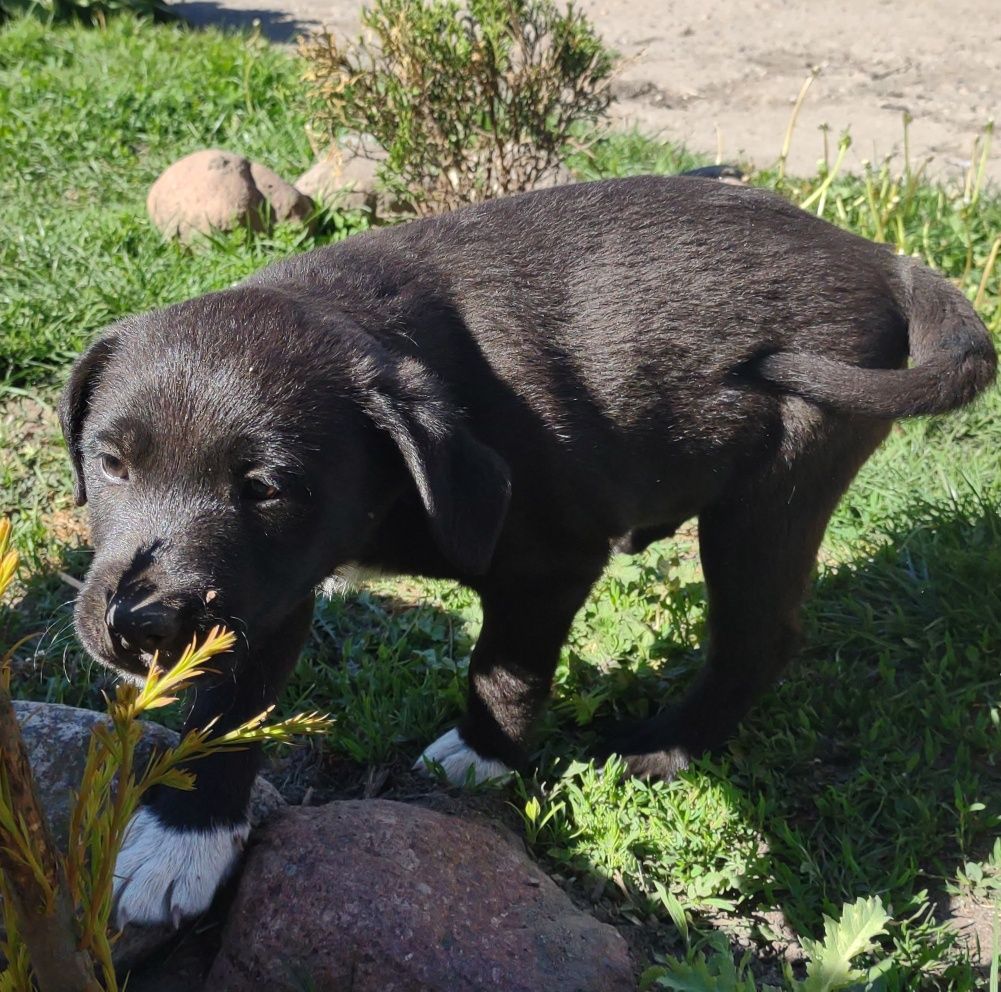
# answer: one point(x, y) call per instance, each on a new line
point(259, 490)
point(114, 468)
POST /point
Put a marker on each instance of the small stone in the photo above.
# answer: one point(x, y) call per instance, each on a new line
point(287, 202)
point(374, 896)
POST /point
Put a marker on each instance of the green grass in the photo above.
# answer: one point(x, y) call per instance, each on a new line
point(88, 119)
point(870, 771)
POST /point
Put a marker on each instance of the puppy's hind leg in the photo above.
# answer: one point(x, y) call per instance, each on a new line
point(758, 546)
point(510, 673)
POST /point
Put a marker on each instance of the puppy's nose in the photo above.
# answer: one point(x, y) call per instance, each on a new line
point(148, 625)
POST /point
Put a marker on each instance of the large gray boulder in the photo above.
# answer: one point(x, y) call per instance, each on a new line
point(56, 738)
point(377, 896)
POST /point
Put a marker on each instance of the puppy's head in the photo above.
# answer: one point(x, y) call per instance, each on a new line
point(235, 449)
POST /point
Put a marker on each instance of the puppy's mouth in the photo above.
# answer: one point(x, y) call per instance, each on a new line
point(133, 663)
point(128, 626)
point(131, 627)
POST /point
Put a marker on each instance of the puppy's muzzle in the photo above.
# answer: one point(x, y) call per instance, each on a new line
point(142, 627)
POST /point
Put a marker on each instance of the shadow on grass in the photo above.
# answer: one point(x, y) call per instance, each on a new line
point(899, 674)
point(875, 758)
point(872, 768)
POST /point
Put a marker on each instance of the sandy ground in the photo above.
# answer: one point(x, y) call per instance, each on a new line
point(724, 75)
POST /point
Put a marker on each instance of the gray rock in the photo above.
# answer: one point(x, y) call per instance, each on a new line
point(377, 896)
point(215, 190)
point(344, 182)
point(364, 145)
point(56, 738)
point(346, 178)
point(287, 202)
point(560, 176)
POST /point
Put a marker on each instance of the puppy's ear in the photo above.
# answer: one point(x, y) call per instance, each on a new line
point(75, 403)
point(464, 485)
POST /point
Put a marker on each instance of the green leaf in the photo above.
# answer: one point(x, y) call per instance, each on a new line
point(718, 973)
point(830, 966)
point(674, 908)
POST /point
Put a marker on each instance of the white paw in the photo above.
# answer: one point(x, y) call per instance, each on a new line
point(164, 875)
point(456, 758)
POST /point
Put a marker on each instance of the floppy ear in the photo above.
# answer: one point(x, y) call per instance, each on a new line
point(464, 485)
point(75, 403)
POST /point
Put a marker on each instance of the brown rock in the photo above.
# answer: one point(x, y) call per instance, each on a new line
point(287, 202)
point(377, 896)
point(56, 739)
point(215, 190)
point(210, 190)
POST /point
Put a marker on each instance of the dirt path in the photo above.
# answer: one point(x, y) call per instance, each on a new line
point(737, 65)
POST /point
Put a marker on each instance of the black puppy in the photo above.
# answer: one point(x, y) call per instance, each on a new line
point(504, 395)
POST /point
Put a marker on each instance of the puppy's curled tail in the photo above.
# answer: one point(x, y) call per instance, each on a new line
point(952, 358)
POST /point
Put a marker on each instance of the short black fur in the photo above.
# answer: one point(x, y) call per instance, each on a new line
point(504, 396)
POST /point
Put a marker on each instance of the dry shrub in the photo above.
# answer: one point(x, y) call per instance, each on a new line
point(468, 101)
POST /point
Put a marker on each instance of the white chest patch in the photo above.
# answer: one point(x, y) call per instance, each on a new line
point(164, 875)
point(348, 576)
point(456, 758)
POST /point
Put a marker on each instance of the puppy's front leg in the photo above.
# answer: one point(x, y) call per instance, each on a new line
point(182, 845)
point(524, 626)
